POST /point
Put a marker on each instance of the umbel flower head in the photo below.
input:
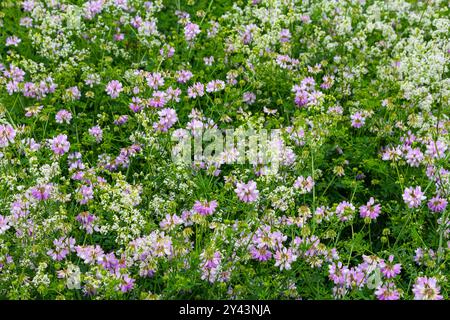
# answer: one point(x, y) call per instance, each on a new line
point(7, 135)
point(413, 196)
point(247, 192)
point(426, 289)
point(205, 208)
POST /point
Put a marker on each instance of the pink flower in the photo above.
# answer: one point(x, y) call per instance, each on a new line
point(114, 88)
point(327, 82)
point(387, 292)
point(389, 269)
point(210, 264)
point(345, 210)
point(136, 22)
point(208, 60)
point(413, 196)
point(392, 154)
point(7, 135)
point(370, 210)
point(158, 99)
point(119, 37)
point(215, 85)
point(197, 89)
point(304, 184)
point(63, 246)
point(42, 192)
point(26, 22)
point(436, 149)
point(191, 30)
point(414, 157)
point(87, 221)
point(167, 51)
point(249, 98)
point(358, 119)
point(337, 273)
point(4, 224)
point(85, 193)
point(136, 104)
point(205, 208)
point(13, 41)
point(260, 254)
point(247, 192)
point(15, 74)
point(127, 283)
point(73, 93)
point(59, 144)
point(247, 35)
point(74, 161)
point(183, 76)
point(90, 254)
point(97, 133)
point(93, 8)
point(148, 28)
point(283, 258)
point(121, 120)
point(167, 118)
point(170, 222)
point(63, 116)
point(173, 94)
point(437, 204)
point(302, 98)
point(155, 80)
point(285, 35)
point(426, 289)
point(28, 5)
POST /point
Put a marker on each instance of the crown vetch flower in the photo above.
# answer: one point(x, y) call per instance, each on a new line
point(87, 221)
point(303, 184)
point(63, 116)
point(437, 204)
point(370, 210)
point(389, 269)
point(7, 135)
point(260, 253)
point(247, 192)
point(114, 88)
point(191, 30)
point(4, 224)
point(205, 208)
point(358, 119)
point(413, 196)
point(387, 292)
point(284, 258)
point(60, 145)
point(127, 283)
point(426, 289)
point(97, 133)
point(42, 192)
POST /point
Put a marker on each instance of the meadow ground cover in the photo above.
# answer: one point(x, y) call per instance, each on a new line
point(278, 149)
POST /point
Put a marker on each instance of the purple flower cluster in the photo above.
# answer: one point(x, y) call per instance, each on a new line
point(426, 289)
point(247, 192)
point(59, 145)
point(305, 94)
point(413, 196)
point(62, 247)
point(370, 210)
point(114, 88)
point(205, 208)
point(87, 221)
point(7, 135)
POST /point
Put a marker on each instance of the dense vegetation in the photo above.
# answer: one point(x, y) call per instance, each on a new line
point(96, 95)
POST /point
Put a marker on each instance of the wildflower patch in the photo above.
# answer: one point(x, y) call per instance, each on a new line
point(260, 149)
